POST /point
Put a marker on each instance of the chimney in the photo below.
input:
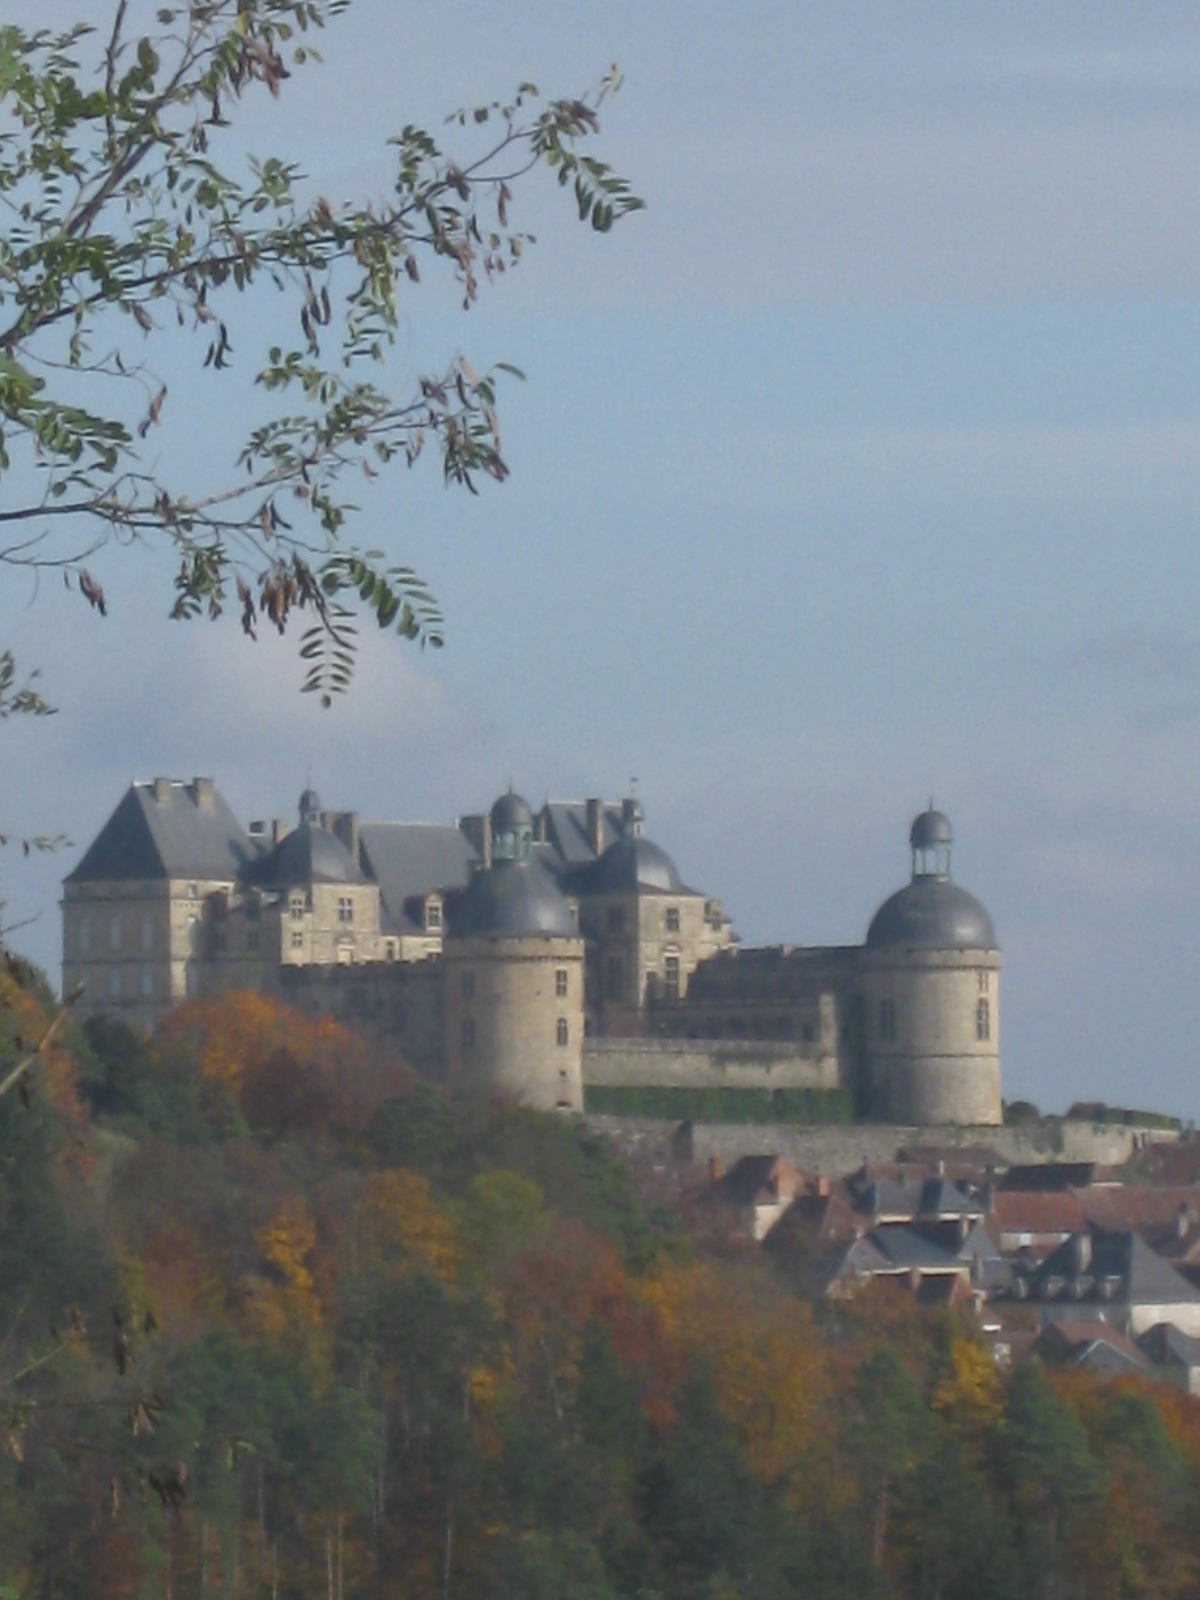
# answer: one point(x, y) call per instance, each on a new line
point(280, 828)
point(821, 1187)
point(595, 825)
point(204, 791)
point(162, 791)
point(348, 829)
point(1081, 1252)
point(477, 827)
point(541, 828)
point(716, 1167)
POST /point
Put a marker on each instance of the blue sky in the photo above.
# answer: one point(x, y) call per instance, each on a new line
point(863, 466)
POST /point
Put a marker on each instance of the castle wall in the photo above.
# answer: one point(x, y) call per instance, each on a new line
point(704, 1064)
point(398, 1001)
point(514, 1018)
point(835, 1151)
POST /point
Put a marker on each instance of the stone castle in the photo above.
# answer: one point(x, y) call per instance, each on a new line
point(554, 956)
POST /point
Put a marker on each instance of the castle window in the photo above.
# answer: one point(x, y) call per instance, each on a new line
point(345, 908)
point(983, 983)
point(147, 933)
point(114, 983)
point(672, 919)
point(614, 919)
point(562, 1032)
point(114, 933)
point(297, 907)
point(614, 984)
point(468, 1033)
point(671, 977)
point(983, 1021)
point(252, 939)
point(887, 1021)
point(433, 916)
point(192, 894)
point(297, 938)
point(466, 985)
point(560, 983)
point(147, 980)
point(85, 934)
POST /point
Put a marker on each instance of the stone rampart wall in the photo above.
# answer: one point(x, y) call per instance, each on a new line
point(834, 1151)
point(704, 1064)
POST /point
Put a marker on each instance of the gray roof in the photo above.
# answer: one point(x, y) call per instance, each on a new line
point(1138, 1274)
point(511, 900)
point(566, 829)
point(930, 828)
point(633, 864)
point(906, 1249)
point(308, 855)
point(1166, 1345)
point(933, 914)
point(511, 812)
point(173, 837)
point(407, 859)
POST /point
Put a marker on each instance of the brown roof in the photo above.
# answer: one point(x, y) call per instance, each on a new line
point(1080, 1335)
point(1138, 1209)
point(1014, 1211)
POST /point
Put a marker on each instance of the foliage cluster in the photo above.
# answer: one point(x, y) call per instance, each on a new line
point(276, 1319)
point(804, 1107)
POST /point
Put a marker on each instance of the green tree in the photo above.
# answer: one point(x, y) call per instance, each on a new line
point(136, 222)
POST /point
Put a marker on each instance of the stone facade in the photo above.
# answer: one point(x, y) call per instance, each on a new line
point(569, 924)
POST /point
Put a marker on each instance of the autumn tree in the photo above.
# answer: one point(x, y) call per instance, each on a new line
point(136, 221)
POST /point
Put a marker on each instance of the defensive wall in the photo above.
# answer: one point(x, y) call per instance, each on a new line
point(706, 1064)
point(834, 1151)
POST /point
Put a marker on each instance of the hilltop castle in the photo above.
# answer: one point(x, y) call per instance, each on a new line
point(554, 955)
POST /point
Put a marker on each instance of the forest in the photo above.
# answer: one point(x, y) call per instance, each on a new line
point(279, 1319)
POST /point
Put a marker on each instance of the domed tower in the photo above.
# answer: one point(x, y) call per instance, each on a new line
point(931, 981)
point(513, 961)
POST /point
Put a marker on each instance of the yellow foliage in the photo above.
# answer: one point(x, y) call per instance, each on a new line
point(400, 1226)
point(289, 1307)
point(971, 1395)
point(765, 1353)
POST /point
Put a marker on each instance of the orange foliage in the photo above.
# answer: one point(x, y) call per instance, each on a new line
point(770, 1370)
point(284, 1069)
point(400, 1226)
point(186, 1295)
point(288, 1306)
point(25, 1021)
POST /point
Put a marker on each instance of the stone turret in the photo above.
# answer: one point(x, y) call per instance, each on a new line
point(931, 983)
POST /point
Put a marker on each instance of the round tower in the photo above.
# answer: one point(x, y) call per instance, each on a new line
point(931, 982)
point(513, 963)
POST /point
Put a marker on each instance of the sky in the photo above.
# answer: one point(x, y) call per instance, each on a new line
point(863, 467)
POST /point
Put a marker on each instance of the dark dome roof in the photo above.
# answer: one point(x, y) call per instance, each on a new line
point(930, 828)
point(512, 900)
point(309, 855)
point(934, 914)
point(511, 812)
point(635, 863)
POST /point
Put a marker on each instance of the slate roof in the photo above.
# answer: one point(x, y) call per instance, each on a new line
point(307, 855)
point(1167, 1346)
point(414, 858)
point(1019, 1212)
point(1094, 1345)
point(758, 1178)
point(1138, 1274)
point(171, 838)
point(566, 829)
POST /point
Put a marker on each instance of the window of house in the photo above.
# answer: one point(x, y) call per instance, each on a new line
point(466, 985)
point(297, 938)
point(562, 1032)
point(887, 1021)
point(672, 919)
point(983, 1021)
point(345, 908)
point(297, 907)
point(433, 915)
point(468, 1033)
point(560, 983)
point(614, 919)
point(614, 979)
point(671, 977)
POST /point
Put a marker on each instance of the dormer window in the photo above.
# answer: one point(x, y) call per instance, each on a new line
point(433, 916)
point(296, 904)
point(345, 908)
